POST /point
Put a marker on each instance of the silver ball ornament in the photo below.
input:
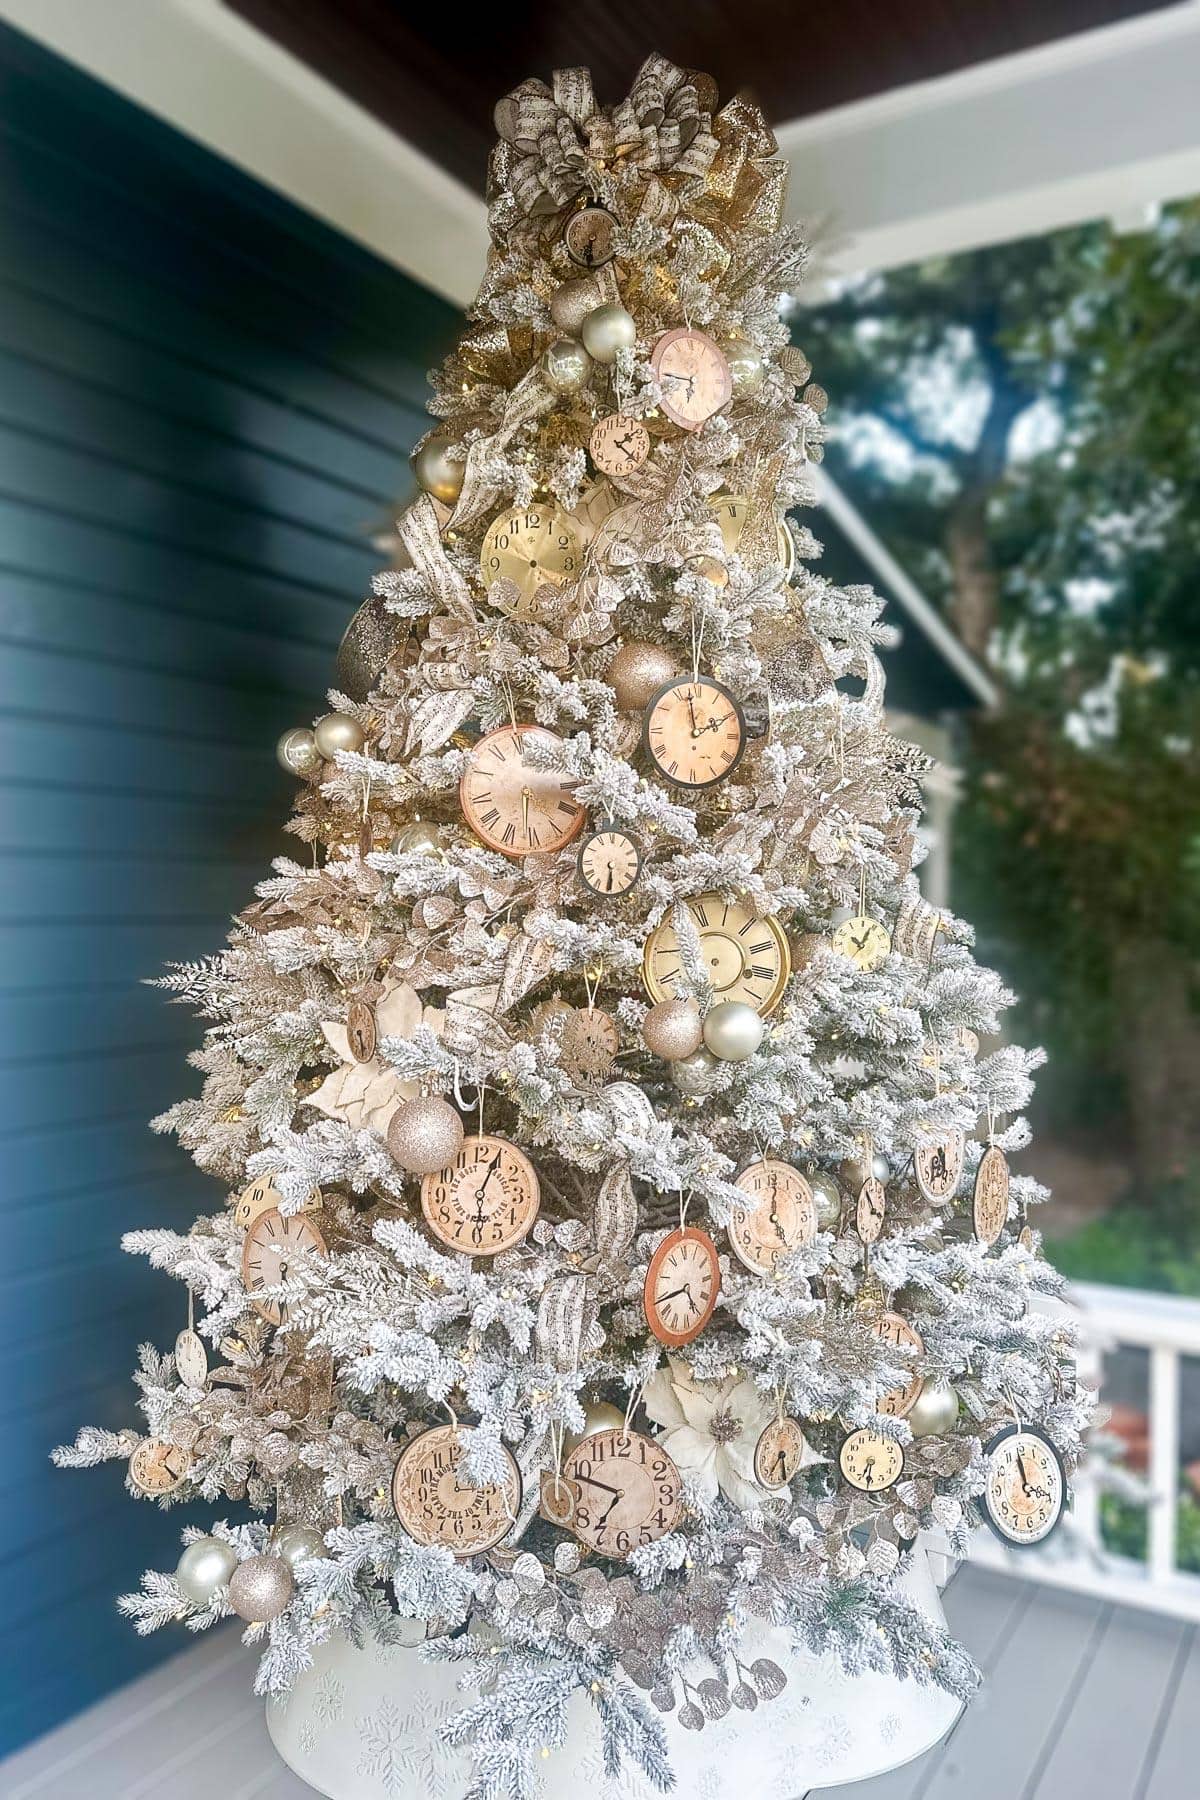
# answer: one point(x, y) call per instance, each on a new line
point(338, 731)
point(566, 366)
point(436, 472)
point(204, 1567)
point(828, 1198)
point(607, 330)
point(260, 1588)
point(425, 1135)
point(673, 1029)
point(747, 367)
point(598, 1415)
point(421, 838)
point(636, 673)
point(297, 751)
point(936, 1409)
point(732, 1030)
point(695, 1075)
point(297, 1543)
point(854, 1170)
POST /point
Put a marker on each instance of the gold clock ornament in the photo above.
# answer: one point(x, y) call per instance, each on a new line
point(514, 807)
point(989, 1202)
point(485, 1201)
point(693, 375)
point(872, 1206)
point(534, 547)
point(619, 445)
point(780, 1213)
point(731, 511)
point(779, 1453)
point(437, 1509)
point(938, 1167)
point(1025, 1493)
point(626, 1491)
point(865, 940)
point(273, 1241)
point(589, 237)
point(894, 1328)
point(682, 1286)
point(157, 1468)
point(694, 732)
point(261, 1196)
point(609, 863)
point(869, 1461)
point(745, 957)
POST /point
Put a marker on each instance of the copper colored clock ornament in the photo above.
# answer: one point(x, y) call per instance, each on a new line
point(682, 1285)
point(893, 1328)
point(272, 1244)
point(989, 1203)
point(865, 940)
point(694, 377)
point(436, 1508)
point(486, 1201)
point(872, 1205)
point(514, 807)
point(779, 1214)
point(619, 446)
point(695, 732)
point(627, 1491)
point(157, 1468)
point(938, 1167)
point(779, 1453)
point(534, 547)
point(609, 863)
point(1025, 1493)
point(746, 957)
point(869, 1461)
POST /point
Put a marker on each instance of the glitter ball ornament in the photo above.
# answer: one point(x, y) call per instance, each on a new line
point(204, 1567)
point(828, 1197)
point(418, 839)
point(854, 1170)
point(337, 731)
point(673, 1029)
point(425, 1135)
point(571, 303)
point(436, 472)
point(746, 366)
point(566, 366)
point(367, 644)
point(637, 672)
point(260, 1588)
point(732, 1030)
point(935, 1410)
point(607, 330)
point(297, 1543)
point(297, 751)
point(695, 1074)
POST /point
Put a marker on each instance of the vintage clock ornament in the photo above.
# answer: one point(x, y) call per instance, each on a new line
point(779, 1453)
point(362, 1032)
point(485, 1201)
point(682, 1286)
point(157, 1468)
point(871, 1209)
point(894, 1328)
point(731, 512)
point(746, 957)
point(261, 1196)
point(1025, 1493)
point(695, 732)
point(619, 446)
point(865, 940)
point(624, 1492)
point(869, 1461)
point(514, 807)
point(533, 548)
point(779, 1214)
point(589, 237)
point(693, 375)
point(588, 1045)
point(609, 863)
point(273, 1241)
point(438, 1509)
point(989, 1201)
point(938, 1167)
point(191, 1358)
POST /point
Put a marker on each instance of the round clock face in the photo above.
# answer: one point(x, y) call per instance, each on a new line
point(695, 732)
point(869, 1461)
point(534, 548)
point(872, 1204)
point(863, 939)
point(779, 1214)
point(486, 1201)
point(989, 1206)
point(693, 375)
point(619, 446)
point(156, 1468)
point(272, 1242)
point(682, 1285)
point(731, 511)
point(261, 1196)
point(938, 1167)
point(609, 863)
point(191, 1358)
point(513, 807)
point(589, 237)
point(778, 1453)
point(1026, 1487)
point(625, 1489)
point(589, 1043)
point(747, 958)
point(436, 1508)
point(898, 1402)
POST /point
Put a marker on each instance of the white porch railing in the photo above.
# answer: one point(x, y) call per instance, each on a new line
point(1167, 1329)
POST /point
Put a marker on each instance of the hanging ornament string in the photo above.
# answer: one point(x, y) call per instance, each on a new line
point(862, 889)
point(591, 985)
point(635, 1395)
point(697, 641)
point(685, 1200)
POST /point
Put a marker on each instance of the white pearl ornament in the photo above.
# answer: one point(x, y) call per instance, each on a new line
point(338, 731)
point(204, 1567)
point(935, 1410)
point(608, 330)
point(732, 1030)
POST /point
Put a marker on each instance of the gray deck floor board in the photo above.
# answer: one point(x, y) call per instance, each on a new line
point(1173, 1766)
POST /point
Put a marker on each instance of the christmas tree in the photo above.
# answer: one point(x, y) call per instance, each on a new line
point(620, 1243)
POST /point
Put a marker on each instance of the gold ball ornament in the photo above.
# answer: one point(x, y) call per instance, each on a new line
point(260, 1588)
point(297, 753)
point(855, 1170)
point(935, 1411)
point(598, 1415)
point(296, 1544)
point(673, 1029)
point(828, 1198)
point(566, 366)
point(421, 838)
point(637, 672)
point(204, 1567)
point(571, 303)
point(695, 1075)
point(607, 330)
point(338, 731)
point(425, 1135)
point(435, 470)
point(732, 1030)
point(747, 366)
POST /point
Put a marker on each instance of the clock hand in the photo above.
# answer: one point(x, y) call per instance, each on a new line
point(590, 1481)
point(491, 1170)
point(692, 710)
point(525, 798)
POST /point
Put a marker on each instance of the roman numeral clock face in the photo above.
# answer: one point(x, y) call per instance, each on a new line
point(695, 732)
point(682, 1285)
point(272, 1243)
point(514, 807)
point(746, 958)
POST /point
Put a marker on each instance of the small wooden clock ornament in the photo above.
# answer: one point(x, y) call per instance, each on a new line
point(869, 1461)
point(682, 1286)
point(693, 375)
point(619, 446)
point(871, 1209)
point(191, 1358)
point(1026, 1490)
point(609, 863)
point(780, 1213)
point(989, 1203)
point(695, 732)
point(261, 1196)
point(779, 1452)
point(486, 1201)
point(893, 1328)
point(938, 1167)
point(437, 1509)
point(271, 1242)
point(627, 1491)
point(157, 1468)
point(514, 807)
point(865, 940)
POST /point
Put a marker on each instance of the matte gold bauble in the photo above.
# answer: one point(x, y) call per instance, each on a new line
point(297, 752)
point(338, 731)
point(566, 366)
point(421, 838)
point(606, 331)
point(598, 1415)
point(436, 472)
point(732, 1030)
point(260, 1588)
point(637, 672)
point(747, 368)
point(673, 1029)
point(425, 1135)
point(935, 1411)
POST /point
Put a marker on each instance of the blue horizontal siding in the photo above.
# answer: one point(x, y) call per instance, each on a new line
point(206, 403)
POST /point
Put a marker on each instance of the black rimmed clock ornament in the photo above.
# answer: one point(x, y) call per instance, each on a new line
point(1025, 1492)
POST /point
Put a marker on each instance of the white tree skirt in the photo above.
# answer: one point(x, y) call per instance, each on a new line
point(363, 1725)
